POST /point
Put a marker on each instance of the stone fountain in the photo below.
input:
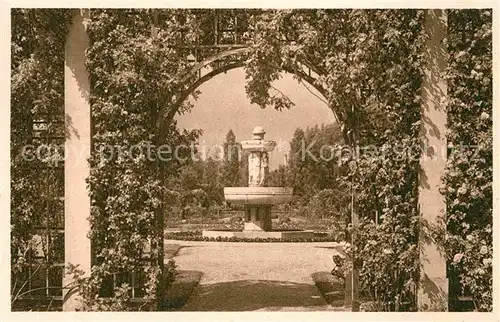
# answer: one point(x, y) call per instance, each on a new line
point(258, 198)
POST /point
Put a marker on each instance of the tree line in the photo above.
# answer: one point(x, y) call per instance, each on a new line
point(198, 188)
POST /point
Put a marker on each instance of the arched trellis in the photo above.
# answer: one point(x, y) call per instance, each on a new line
point(430, 201)
point(224, 42)
point(224, 61)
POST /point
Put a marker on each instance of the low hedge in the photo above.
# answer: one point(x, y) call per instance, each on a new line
point(197, 236)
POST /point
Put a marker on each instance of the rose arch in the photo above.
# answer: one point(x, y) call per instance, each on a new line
point(226, 44)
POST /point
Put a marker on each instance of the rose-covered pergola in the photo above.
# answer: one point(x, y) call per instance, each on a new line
point(223, 57)
point(420, 78)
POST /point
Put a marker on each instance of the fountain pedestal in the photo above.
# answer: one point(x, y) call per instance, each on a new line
point(258, 218)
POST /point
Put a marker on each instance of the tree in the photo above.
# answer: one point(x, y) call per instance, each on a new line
point(231, 160)
point(314, 160)
point(243, 169)
point(332, 204)
point(213, 179)
point(278, 177)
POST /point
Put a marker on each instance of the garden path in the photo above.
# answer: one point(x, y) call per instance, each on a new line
point(255, 276)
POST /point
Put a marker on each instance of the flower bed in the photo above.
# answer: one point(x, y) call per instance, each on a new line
point(196, 235)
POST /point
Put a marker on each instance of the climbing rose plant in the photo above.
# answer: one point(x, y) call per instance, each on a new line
point(134, 75)
point(370, 71)
point(467, 184)
point(386, 65)
point(370, 64)
point(37, 94)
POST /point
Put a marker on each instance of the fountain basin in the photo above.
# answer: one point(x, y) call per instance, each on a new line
point(258, 195)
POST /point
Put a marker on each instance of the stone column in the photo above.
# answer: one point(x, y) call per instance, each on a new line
point(266, 218)
point(77, 151)
point(433, 286)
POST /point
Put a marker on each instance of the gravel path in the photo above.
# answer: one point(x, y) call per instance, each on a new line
point(255, 276)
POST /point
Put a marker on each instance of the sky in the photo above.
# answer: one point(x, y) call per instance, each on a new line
point(223, 105)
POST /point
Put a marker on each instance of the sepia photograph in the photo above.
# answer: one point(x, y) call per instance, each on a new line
point(251, 159)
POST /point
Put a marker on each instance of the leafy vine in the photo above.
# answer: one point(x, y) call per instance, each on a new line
point(467, 184)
